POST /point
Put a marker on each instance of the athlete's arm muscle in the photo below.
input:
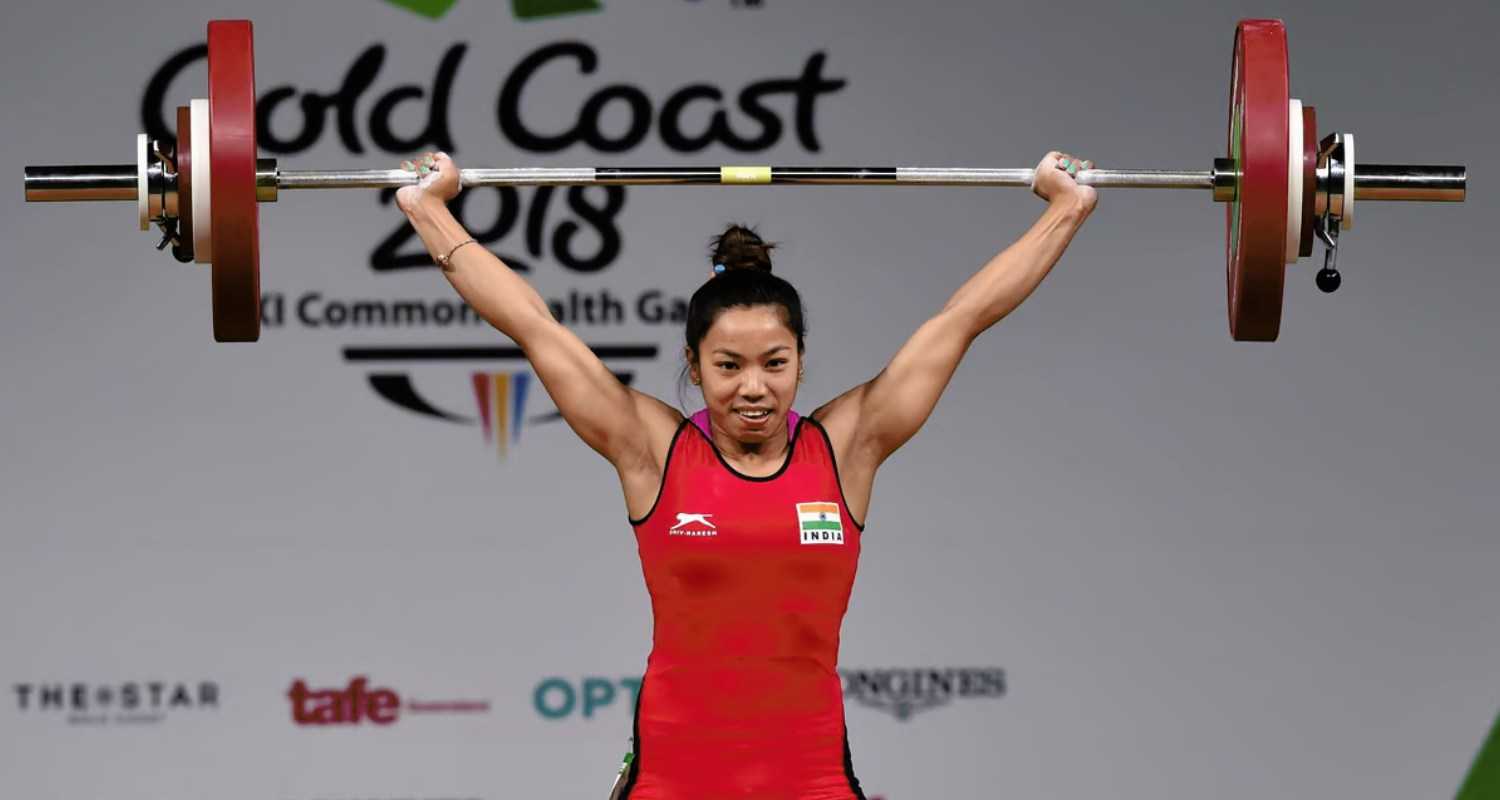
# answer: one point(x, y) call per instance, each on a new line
point(618, 422)
point(625, 426)
point(872, 420)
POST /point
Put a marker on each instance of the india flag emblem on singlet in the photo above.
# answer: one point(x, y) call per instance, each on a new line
point(820, 523)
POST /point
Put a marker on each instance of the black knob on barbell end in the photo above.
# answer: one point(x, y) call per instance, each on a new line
point(1329, 280)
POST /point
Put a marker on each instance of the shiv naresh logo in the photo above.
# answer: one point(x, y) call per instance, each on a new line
point(693, 525)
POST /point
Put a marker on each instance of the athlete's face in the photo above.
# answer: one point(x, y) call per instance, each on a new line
point(749, 368)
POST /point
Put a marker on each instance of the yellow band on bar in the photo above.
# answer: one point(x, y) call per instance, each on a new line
point(744, 175)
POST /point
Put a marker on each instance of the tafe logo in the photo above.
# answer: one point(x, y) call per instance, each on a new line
point(349, 706)
point(359, 702)
point(693, 525)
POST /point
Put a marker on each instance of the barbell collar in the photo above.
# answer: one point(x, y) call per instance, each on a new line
point(1226, 180)
point(82, 182)
point(1430, 183)
point(121, 182)
point(267, 182)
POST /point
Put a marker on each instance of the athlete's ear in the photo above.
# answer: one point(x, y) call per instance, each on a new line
point(687, 354)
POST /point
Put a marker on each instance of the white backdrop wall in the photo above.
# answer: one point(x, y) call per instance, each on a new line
point(1164, 564)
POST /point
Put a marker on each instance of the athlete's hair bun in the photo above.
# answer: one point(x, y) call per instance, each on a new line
point(738, 247)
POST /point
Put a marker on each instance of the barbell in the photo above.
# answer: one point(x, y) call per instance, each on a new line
point(1282, 186)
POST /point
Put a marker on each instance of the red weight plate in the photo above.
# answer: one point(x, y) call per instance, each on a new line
point(185, 180)
point(1309, 178)
point(1258, 143)
point(232, 151)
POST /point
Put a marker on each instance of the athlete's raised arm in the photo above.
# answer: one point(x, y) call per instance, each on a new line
point(872, 420)
point(623, 425)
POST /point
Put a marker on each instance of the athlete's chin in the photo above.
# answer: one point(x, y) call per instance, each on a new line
point(752, 429)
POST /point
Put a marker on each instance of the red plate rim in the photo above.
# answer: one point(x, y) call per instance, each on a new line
point(1256, 221)
point(236, 224)
point(184, 165)
point(1309, 179)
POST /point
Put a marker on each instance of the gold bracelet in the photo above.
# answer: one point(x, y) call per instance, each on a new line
point(442, 261)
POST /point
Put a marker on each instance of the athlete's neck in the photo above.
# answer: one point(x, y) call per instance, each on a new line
point(752, 454)
point(754, 457)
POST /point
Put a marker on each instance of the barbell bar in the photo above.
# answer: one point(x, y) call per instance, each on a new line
point(1281, 185)
point(118, 181)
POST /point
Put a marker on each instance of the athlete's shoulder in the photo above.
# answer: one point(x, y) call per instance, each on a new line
point(839, 418)
point(660, 422)
point(842, 404)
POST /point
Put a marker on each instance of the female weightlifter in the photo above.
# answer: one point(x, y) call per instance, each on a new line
point(747, 516)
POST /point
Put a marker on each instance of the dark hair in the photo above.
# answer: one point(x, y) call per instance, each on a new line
point(745, 282)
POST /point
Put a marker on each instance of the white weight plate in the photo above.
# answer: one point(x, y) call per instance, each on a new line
point(142, 186)
point(1348, 221)
point(202, 207)
point(1294, 167)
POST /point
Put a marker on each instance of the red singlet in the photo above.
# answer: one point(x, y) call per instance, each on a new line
point(749, 581)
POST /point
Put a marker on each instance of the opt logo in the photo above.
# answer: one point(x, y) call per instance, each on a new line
point(558, 698)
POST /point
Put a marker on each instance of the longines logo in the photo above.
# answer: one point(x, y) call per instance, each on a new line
point(129, 702)
point(360, 702)
point(904, 692)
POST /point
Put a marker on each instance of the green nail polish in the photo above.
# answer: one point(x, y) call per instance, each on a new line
point(1064, 163)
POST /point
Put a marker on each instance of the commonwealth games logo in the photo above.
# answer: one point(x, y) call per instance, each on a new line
point(501, 397)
